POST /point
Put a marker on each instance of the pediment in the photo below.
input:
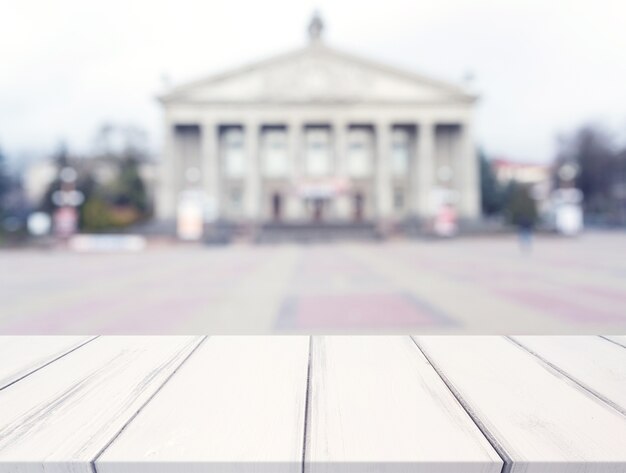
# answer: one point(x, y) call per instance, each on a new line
point(316, 74)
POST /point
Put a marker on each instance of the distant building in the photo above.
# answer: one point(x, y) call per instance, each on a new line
point(319, 135)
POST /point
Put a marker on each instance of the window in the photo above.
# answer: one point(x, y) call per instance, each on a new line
point(188, 143)
point(275, 154)
point(233, 152)
point(400, 152)
point(235, 199)
point(360, 152)
point(398, 199)
point(318, 152)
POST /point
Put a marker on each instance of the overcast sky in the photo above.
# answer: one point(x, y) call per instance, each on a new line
point(541, 66)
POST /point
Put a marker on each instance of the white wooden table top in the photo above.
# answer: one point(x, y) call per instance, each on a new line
point(314, 404)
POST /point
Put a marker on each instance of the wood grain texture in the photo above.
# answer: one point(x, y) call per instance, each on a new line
point(60, 417)
point(593, 362)
point(377, 405)
point(238, 404)
point(21, 355)
point(543, 421)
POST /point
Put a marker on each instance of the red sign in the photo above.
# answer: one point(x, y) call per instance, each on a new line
point(322, 188)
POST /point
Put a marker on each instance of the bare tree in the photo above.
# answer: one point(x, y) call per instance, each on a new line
point(592, 148)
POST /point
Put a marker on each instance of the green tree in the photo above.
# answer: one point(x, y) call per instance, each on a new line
point(94, 214)
point(130, 189)
point(593, 150)
point(491, 192)
point(5, 182)
point(521, 208)
point(124, 200)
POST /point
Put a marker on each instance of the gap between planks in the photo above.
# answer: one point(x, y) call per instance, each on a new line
point(507, 461)
point(552, 367)
point(305, 454)
point(307, 406)
point(611, 339)
point(131, 418)
point(49, 362)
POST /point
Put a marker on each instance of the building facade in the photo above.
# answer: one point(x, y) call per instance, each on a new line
point(319, 135)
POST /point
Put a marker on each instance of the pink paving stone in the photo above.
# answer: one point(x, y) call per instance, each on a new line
point(618, 296)
point(158, 314)
point(314, 269)
point(560, 307)
point(360, 310)
point(165, 316)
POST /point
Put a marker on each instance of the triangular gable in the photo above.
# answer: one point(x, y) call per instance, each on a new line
point(317, 73)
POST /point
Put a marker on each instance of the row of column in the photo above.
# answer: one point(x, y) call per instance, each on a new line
point(421, 179)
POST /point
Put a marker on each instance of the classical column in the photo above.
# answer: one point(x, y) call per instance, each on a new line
point(340, 130)
point(423, 171)
point(294, 149)
point(252, 180)
point(168, 172)
point(383, 174)
point(467, 177)
point(210, 166)
point(340, 168)
point(295, 208)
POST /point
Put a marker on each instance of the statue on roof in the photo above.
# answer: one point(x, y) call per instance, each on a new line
point(316, 26)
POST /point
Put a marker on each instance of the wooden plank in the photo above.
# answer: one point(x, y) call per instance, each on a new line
point(595, 363)
point(377, 405)
point(21, 355)
point(543, 421)
point(237, 405)
point(60, 417)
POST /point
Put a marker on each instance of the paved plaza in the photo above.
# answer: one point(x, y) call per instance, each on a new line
point(473, 285)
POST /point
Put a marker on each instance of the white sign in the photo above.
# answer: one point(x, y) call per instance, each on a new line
point(190, 221)
point(440, 197)
point(39, 223)
point(107, 243)
point(569, 219)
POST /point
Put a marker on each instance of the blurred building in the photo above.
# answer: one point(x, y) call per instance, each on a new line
point(319, 135)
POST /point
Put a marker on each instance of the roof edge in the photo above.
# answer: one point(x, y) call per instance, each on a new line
point(453, 89)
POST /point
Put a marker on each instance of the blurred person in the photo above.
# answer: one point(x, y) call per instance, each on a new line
point(522, 212)
point(525, 233)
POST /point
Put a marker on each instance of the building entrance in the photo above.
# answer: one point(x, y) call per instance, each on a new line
point(358, 207)
point(277, 207)
point(318, 210)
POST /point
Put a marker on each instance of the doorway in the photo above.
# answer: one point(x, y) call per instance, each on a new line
point(277, 207)
point(318, 210)
point(358, 207)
